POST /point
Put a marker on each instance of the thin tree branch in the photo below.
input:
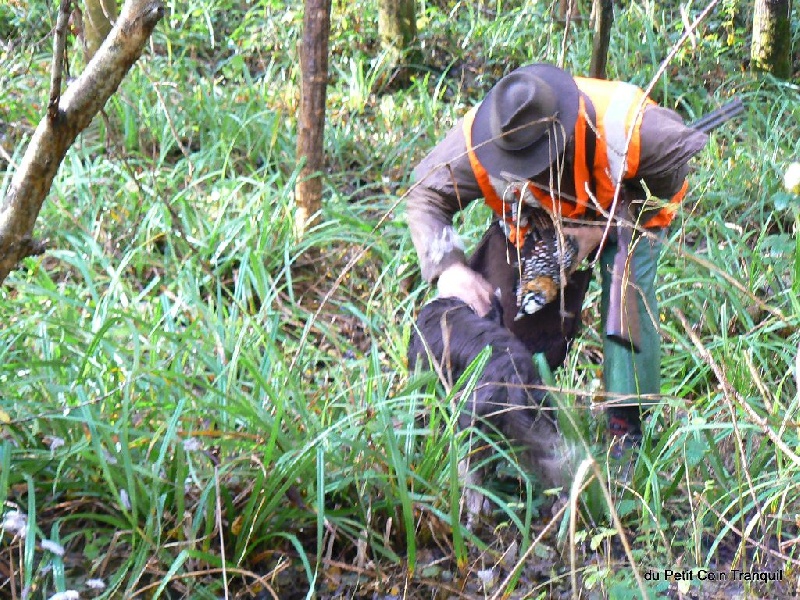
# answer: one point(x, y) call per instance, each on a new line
point(57, 68)
point(563, 57)
point(82, 100)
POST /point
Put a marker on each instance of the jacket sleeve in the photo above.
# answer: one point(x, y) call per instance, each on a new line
point(666, 147)
point(443, 185)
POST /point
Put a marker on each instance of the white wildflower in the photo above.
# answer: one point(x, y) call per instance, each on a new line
point(95, 584)
point(15, 522)
point(68, 595)
point(487, 577)
point(791, 178)
point(110, 458)
point(192, 445)
point(125, 499)
point(53, 547)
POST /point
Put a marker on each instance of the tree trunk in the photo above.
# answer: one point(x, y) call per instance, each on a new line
point(397, 28)
point(56, 132)
point(604, 19)
point(771, 49)
point(311, 119)
point(97, 19)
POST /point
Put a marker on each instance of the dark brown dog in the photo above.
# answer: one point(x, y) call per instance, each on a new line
point(448, 337)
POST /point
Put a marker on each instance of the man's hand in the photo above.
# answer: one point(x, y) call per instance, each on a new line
point(459, 281)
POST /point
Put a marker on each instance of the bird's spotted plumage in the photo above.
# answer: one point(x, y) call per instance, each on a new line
point(543, 260)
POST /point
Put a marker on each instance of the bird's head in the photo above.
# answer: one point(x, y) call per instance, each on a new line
point(536, 294)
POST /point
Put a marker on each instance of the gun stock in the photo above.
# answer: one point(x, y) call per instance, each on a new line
point(622, 321)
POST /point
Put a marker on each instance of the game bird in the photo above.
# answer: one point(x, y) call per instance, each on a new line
point(547, 256)
point(550, 251)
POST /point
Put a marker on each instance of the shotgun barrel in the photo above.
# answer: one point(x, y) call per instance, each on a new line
point(717, 117)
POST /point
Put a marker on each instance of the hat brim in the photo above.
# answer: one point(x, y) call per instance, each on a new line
point(541, 154)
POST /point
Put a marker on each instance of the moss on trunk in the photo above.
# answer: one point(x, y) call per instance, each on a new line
point(397, 26)
point(771, 49)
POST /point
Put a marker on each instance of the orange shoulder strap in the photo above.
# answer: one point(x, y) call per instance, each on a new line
point(516, 234)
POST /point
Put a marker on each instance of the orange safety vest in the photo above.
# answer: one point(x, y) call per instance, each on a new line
point(618, 109)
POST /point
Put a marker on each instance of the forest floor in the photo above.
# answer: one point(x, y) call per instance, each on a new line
point(195, 403)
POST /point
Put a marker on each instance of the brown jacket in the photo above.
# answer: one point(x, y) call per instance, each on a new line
point(445, 183)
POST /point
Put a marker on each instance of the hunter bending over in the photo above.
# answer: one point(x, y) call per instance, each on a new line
point(552, 155)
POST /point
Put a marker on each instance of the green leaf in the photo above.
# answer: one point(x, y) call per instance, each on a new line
point(598, 538)
point(784, 200)
point(695, 451)
point(626, 507)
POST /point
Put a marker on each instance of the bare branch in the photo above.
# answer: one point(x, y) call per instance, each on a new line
point(604, 19)
point(563, 56)
point(82, 100)
point(57, 68)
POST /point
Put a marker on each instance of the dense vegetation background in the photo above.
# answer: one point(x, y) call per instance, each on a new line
point(195, 404)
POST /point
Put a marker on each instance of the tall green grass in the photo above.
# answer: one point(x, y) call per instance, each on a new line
point(193, 403)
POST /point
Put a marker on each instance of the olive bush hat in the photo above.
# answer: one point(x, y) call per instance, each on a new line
point(525, 120)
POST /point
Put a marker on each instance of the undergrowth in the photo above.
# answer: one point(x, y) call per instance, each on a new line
point(193, 403)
